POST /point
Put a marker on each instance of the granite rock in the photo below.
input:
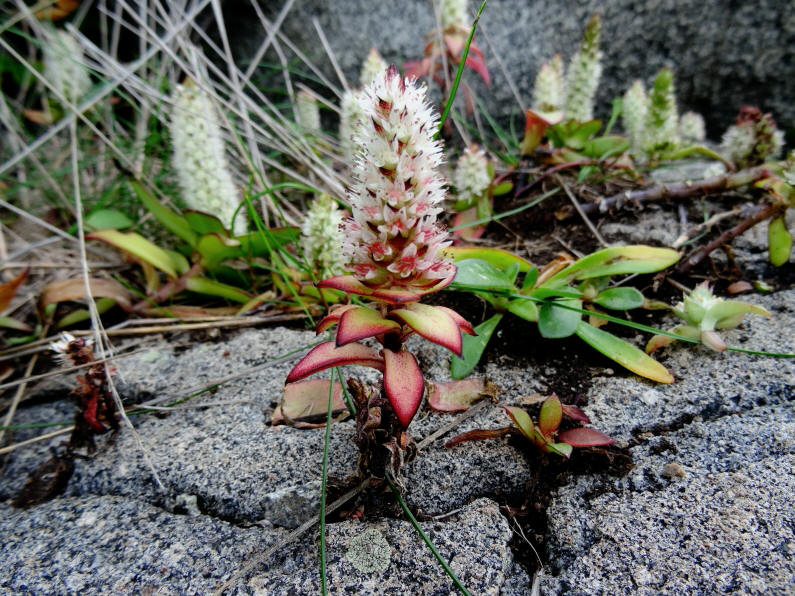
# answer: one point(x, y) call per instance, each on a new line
point(724, 56)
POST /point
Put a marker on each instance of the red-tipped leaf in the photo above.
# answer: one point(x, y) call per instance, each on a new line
point(327, 355)
point(403, 383)
point(346, 283)
point(432, 323)
point(333, 317)
point(462, 323)
point(360, 322)
point(575, 413)
point(584, 437)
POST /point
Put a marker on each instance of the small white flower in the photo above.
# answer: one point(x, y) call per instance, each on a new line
point(200, 157)
point(471, 175)
point(63, 65)
point(68, 343)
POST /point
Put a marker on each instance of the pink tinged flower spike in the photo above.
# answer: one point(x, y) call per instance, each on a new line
point(403, 383)
point(392, 241)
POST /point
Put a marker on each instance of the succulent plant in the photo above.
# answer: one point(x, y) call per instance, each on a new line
point(704, 313)
point(200, 157)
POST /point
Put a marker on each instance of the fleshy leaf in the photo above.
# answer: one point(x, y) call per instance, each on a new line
point(346, 283)
point(403, 383)
point(176, 224)
point(779, 241)
point(584, 437)
point(619, 260)
point(555, 322)
point(139, 247)
point(550, 416)
point(306, 399)
point(333, 317)
point(522, 421)
point(103, 219)
point(457, 396)
point(9, 323)
point(432, 323)
point(360, 322)
point(574, 413)
point(462, 323)
point(464, 228)
point(472, 348)
point(474, 274)
point(210, 287)
point(563, 449)
point(624, 353)
point(724, 311)
point(327, 355)
point(203, 223)
point(620, 298)
point(535, 127)
point(501, 259)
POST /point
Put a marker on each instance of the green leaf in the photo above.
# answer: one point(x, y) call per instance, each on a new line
point(524, 309)
point(624, 353)
point(501, 189)
point(472, 347)
point(555, 322)
point(474, 274)
point(617, 261)
point(104, 219)
point(176, 224)
point(779, 241)
point(522, 421)
point(82, 314)
point(604, 147)
point(550, 416)
point(9, 323)
point(620, 298)
point(530, 279)
point(139, 247)
point(216, 248)
point(210, 287)
point(204, 223)
point(501, 259)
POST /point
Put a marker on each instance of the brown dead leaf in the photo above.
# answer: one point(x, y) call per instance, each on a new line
point(9, 290)
point(74, 289)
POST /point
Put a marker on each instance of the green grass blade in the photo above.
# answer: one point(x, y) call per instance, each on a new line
point(449, 105)
point(422, 534)
point(324, 471)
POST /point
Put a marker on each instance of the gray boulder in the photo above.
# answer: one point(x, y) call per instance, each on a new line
point(724, 55)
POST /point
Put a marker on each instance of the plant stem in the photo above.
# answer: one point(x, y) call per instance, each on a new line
point(679, 190)
point(425, 538)
point(760, 213)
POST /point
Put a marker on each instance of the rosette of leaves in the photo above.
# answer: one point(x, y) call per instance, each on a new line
point(555, 298)
point(543, 433)
point(705, 313)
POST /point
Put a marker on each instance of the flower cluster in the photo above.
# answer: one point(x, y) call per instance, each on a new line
point(472, 177)
point(321, 238)
point(633, 115)
point(753, 139)
point(549, 92)
point(307, 113)
point(453, 13)
point(691, 127)
point(63, 67)
point(662, 119)
point(392, 240)
point(200, 157)
point(584, 72)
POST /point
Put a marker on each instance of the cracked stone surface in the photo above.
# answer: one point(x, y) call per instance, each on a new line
point(710, 493)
